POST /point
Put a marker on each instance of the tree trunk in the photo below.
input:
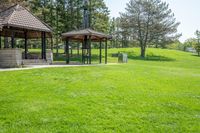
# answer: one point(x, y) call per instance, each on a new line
point(143, 51)
point(57, 31)
point(156, 45)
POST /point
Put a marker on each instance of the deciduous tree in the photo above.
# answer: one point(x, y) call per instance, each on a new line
point(197, 44)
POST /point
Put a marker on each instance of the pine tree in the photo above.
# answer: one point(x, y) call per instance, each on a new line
point(149, 21)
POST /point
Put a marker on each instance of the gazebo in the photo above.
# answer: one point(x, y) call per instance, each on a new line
point(86, 36)
point(18, 22)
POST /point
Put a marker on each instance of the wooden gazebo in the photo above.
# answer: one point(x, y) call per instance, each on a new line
point(86, 36)
point(18, 22)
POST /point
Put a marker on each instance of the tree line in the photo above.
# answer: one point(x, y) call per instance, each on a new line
point(190, 45)
point(65, 15)
point(145, 23)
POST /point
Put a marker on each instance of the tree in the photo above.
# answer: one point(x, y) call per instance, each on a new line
point(189, 43)
point(6, 3)
point(149, 21)
point(197, 45)
point(117, 32)
point(99, 15)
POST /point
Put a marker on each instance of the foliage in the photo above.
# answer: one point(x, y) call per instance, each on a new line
point(197, 44)
point(160, 94)
point(121, 36)
point(69, 14)
point(66, 15)
point(177, 46)
point(149, 21)
point(189, 43)
point(6, 3)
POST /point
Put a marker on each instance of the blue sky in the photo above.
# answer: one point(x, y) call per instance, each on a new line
point(186, 11)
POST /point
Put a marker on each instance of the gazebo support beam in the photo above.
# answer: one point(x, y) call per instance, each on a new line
point(90, 51)
point(43, 45)
point(82, 53)
point(100, 52)
point(106, 52)
point(25, 45)
point(67, 51)
point(13, 40)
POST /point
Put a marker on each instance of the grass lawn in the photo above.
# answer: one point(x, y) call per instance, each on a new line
point(158, 94)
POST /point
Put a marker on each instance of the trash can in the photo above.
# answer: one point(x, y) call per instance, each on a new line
point(122, 58)
point(49, 56)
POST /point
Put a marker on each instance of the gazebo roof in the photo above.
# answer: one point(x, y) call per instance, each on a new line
point(1, 26)
point(79, 35)
point(19, 18)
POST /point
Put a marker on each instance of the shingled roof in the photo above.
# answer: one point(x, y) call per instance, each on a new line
point(1, 26)
point(20, 17)
point(80, 34)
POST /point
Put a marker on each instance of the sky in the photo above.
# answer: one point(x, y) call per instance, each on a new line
point(187, 12)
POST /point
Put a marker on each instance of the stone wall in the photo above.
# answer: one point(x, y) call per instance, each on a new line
point(10, 58)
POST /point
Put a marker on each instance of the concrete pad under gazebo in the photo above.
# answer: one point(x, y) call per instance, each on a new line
point(18, 22)
point(86, 36)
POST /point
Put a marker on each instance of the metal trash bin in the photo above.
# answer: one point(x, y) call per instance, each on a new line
point(122, 58)
point(49, 56)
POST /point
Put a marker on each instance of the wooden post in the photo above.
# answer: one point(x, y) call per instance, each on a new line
point(85, 49)
point(25, 45)
point(42, 46)
point(45, 46)
point(100, 52)
point(13, 40)
point(82, 52)
point(106, 52)
point(87, 56)
point(67, 51)
point(90, 51)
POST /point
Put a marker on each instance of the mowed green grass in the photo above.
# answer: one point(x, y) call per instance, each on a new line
point(158, 94)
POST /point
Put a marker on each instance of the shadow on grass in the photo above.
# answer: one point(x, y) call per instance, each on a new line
point(62, 57)
point(196, 55)
point(131, 56)
point(75, 57)
point(149, 57)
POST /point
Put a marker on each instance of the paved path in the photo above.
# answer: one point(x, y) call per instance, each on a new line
point(49, 66)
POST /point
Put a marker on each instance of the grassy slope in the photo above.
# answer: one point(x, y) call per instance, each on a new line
point(161, 94)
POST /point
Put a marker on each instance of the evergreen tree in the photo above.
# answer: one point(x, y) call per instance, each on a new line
point(99, 15)
point(149, 21)
point(65, 15)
